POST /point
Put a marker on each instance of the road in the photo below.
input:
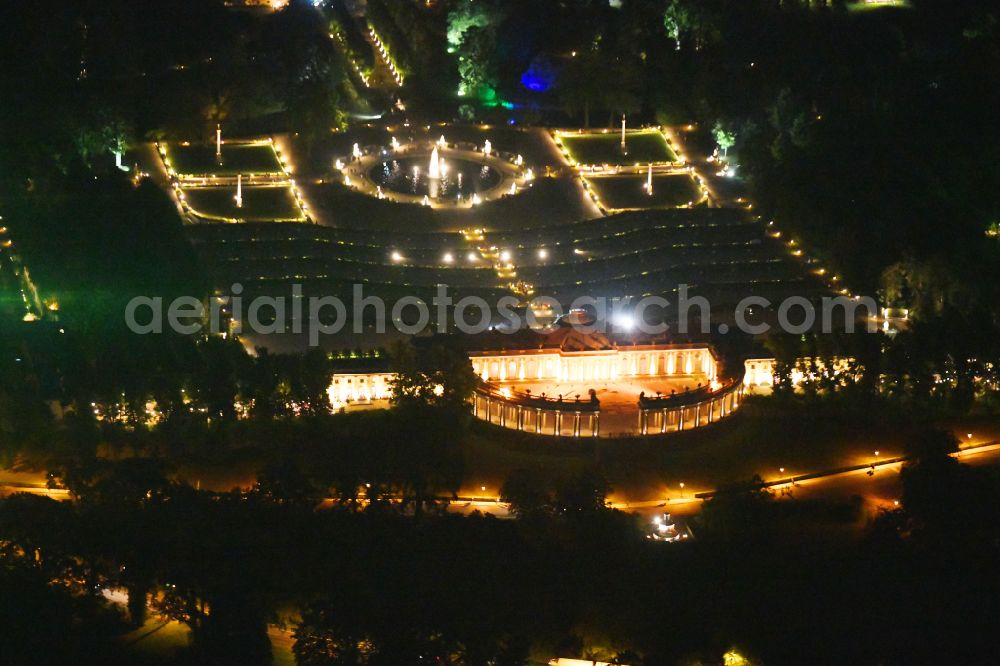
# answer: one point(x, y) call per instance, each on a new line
point(878, 490)
point(881, 489)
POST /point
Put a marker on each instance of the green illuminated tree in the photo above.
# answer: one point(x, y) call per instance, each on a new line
point(724, 139)
point(477, 62)
point(467, 15)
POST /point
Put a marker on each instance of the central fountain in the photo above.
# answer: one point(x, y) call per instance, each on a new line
point(422, 174)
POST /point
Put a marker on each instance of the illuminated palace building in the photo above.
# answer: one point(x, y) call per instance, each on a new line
point(568, 383)
point(359, 388)
point(575, 384)
point(613, 363)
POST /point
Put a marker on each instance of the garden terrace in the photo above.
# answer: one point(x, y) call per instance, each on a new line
point(628, 192)
point(719, 251)
point(596, 149)
point(624, 223)
point(255, 158)
point(261, 203)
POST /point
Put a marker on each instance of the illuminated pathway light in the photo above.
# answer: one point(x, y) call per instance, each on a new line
point(384, 55)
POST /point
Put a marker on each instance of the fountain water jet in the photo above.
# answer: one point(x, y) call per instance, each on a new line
point(239, 190)
point(434, 173)
point(434, 168)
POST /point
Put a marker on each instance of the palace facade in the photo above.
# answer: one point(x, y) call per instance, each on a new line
point(595, 365)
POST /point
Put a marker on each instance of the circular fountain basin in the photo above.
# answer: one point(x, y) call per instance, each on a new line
point(457, 177)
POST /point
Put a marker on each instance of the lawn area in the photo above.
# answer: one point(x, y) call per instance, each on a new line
point(641, 147)
point(669, 191)
point(245, 158)
point(260, 203)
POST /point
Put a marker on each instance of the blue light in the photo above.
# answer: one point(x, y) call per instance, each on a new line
point(533, 80)
point(541, 74)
